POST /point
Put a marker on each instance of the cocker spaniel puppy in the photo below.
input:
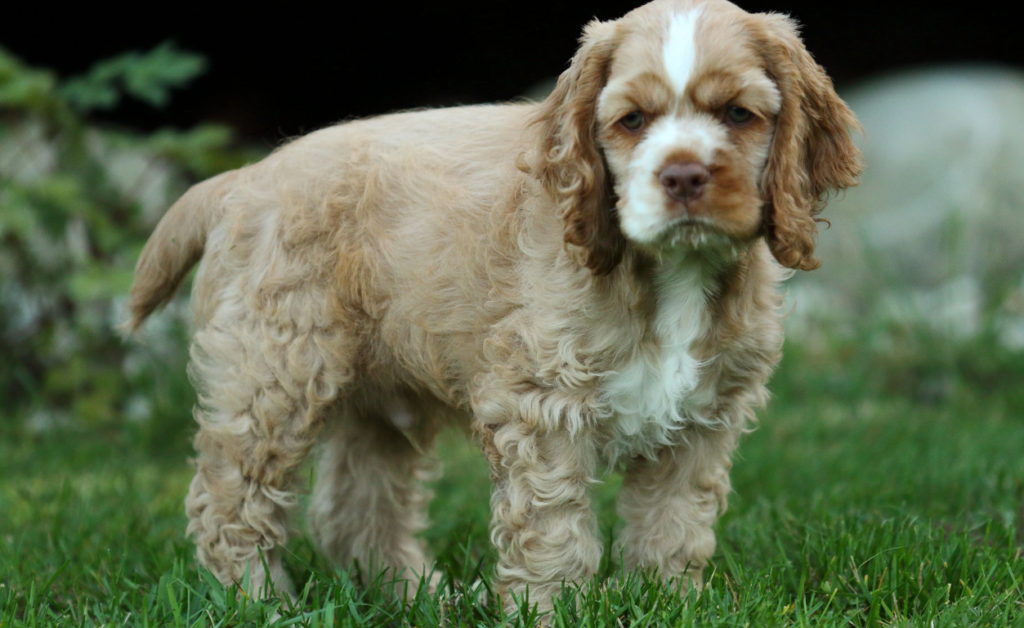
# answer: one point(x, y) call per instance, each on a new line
point(587, 281)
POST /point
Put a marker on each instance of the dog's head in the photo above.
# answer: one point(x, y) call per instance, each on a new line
point(693, 124)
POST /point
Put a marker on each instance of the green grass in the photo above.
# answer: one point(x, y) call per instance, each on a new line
point(882, 488)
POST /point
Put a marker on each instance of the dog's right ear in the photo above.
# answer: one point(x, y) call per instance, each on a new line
point(570, 165)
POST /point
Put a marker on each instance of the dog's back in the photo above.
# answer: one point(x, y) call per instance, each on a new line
point(405, 174)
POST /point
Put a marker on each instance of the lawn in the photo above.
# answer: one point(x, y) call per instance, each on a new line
point(884, 486)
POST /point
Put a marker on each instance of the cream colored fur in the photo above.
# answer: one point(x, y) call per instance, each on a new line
point(369, 282)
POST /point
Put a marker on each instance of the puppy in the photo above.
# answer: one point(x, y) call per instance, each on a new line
point(588, 281)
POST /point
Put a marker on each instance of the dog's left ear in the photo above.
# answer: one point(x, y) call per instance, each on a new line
point(812, 153)
point(570, 165)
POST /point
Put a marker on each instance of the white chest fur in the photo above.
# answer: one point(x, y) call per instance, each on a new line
point(652, 393)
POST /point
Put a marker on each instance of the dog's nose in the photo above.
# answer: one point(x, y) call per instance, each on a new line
point(684, 181)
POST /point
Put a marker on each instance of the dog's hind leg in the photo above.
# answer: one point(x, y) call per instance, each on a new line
point(263, 391)
point(369, 501)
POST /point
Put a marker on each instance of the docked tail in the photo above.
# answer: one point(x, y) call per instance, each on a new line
point(175, 246)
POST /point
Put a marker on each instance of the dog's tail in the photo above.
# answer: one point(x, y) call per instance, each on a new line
point(176, 245)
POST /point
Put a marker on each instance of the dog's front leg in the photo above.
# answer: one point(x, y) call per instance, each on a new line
point(670, 505)
point(541, 518)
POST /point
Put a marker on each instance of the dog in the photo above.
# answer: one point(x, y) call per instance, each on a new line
point(589, 281)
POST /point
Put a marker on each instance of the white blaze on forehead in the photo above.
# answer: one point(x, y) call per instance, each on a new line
point(680, 52)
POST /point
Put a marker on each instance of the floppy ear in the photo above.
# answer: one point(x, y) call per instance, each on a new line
point(570, 165)
point(812, 153)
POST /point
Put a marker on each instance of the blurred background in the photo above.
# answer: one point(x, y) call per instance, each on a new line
point(890, 451)
point(104, 122)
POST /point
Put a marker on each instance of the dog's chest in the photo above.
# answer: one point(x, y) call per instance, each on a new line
point(655, 392)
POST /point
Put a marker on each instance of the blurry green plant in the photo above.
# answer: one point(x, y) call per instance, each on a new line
point(77, 201)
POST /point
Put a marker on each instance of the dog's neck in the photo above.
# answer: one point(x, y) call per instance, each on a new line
point(685, 268)
point(656, 390)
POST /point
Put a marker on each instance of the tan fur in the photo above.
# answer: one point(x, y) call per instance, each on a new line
point(812, 153)
point(175, 247)
point(570, 162)
point(368, 283)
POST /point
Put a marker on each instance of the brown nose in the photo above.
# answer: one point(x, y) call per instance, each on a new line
point(684, 181)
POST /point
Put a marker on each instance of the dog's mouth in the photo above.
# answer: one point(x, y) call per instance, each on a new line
point(694, 232)
point(690, 221)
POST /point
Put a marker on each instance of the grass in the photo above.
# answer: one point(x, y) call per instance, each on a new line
point(883, 487)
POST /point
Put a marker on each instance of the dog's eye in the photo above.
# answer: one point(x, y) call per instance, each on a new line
point(738, 115)
point(633, 120)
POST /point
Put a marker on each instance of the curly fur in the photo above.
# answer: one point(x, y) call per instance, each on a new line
point(571, 167)
point(811, 154)
point(368, 283)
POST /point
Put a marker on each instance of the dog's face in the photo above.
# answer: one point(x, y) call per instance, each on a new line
point(685, 123)
point(693, 124)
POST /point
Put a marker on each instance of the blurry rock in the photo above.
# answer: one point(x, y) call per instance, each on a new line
point(935, 231)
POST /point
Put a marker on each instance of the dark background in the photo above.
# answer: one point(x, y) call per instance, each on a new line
point(295, 68)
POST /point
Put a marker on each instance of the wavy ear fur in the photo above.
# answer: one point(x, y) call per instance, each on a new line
point(570, 165)
point(812, 153)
